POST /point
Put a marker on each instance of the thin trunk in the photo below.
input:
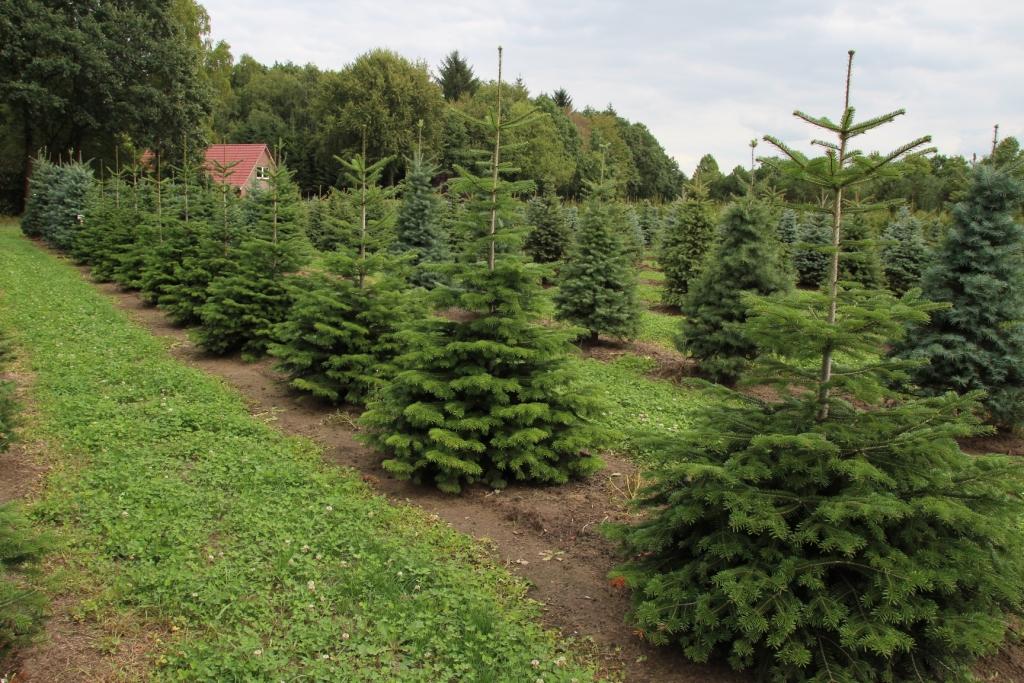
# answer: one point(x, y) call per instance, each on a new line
point(494, 172)
point(117, 178)
point(362, 219)
point(27, 167)
point(833, 277)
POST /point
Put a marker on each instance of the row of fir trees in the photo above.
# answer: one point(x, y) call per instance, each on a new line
point(830, 529)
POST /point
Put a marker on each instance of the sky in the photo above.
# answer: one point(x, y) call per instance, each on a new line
point(705, 77)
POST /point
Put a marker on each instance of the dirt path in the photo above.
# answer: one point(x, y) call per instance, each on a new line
point(549, 536)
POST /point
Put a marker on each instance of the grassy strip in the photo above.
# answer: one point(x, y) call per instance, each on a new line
point(270, 565)
point(639, 406)
point(659, 328)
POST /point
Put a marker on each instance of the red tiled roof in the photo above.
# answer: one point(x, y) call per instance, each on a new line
point(246, 157)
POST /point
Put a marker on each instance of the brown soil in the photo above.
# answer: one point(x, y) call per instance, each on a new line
point(1003, 443)
point(669, 364)
point(549, 536)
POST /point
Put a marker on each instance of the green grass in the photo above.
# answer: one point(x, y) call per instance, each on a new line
point(269, 564)
point(638, 406)
point(649, 295)
point(659, 328)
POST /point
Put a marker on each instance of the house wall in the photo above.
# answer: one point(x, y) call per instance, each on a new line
point(253, 182)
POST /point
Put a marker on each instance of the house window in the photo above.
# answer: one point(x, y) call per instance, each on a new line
point(262, 173)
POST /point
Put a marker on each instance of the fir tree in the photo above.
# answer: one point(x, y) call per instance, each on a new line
point(40, 184)
point(549, 237)
point(746, 258)
point(978, 343)
point(632, 233)
point(71, 186)
point(686, 237)
point(485, 392)
point(456, 78)
point(863, 259)
point(418, 229)
point(243, 305)
point(904, 252)
point(649, 217)
point(810, 256)
point(339, 340)
point(788, 232)
point(810, 539)
point(214, 255)
point(597, 284)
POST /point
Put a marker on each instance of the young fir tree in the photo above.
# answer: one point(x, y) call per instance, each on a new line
point(109, 226)
point(219, 229)
point(418, 229)
point(746, 258)
point(142, 235)
point(809, 539)
point(243, 306)
point(632, 233)
point(340, 337)
point(183, 211)
point(549, 237)
point(686, 237)
point(978, 343)
point(904, 252)
point(862, 262)
point(597, 284)
point(649, 218)
point(787, 231)
point(484, 392)
point(71, 186)
point(810, 253)
point(40, 183)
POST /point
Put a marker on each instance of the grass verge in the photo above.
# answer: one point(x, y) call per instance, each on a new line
point(265, 563)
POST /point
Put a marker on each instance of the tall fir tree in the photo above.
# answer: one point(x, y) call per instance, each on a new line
point(632, 233)
point(242, 306)
point(904, 252)
point(485, 392)
point(597, 284)
point(687, 235)
point(837, 533)
point(456, 78)
point(978, 343)
point(746, 258)
point(418, 229)
point(549, 237)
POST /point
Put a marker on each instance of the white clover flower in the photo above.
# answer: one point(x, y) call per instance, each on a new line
point(535, 663)
point(345, 636)
point(311, 585)
point(257, 653)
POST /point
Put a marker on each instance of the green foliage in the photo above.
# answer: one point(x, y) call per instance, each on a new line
point(187, 502)
point(8, 405)
point(418, 229)
point(836, 532)
point(978, 343)
point(788, 231)
point(243, 305)
point(456, 78)
point(339, 340)
point(550, 236)
point(904, 252)
point(485, 391)
point(632, 234)
point(22, 604)
point(686, 238)
point(746, 258)
point(811, 251)
point(861, 258)
point(378, 99)
point(649, 217)
point(44, 174)
point(597, 284)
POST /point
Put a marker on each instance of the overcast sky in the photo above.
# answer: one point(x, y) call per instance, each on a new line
point(703, 76)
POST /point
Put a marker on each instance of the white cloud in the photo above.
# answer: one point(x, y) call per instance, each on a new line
point(704, 76)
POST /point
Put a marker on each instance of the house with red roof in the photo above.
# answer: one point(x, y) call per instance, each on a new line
point(242, 166)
